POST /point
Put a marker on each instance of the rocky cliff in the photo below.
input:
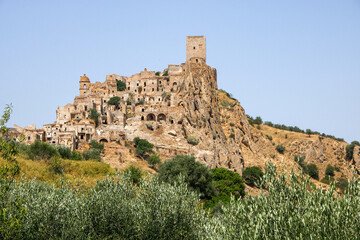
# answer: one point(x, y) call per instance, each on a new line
point(214, 127)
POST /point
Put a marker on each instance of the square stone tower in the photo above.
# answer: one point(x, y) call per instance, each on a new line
point(196, 49)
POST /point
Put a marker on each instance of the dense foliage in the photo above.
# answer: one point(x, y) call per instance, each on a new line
point(143, 147)
point(330, 170)
point(227, 183)
point(121, 86)
point(117, 209)
point(313, 171)
point(92, 154)
point(350, 149)
point(42, 150)
point(196, 175)
point(252, 175)
point(94, 115)
point(96, 145)
point(280, 148)
point(114, 101)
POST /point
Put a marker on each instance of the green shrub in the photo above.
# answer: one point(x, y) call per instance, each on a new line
point(232, 124)
point(149, 126)
point(350, 150)
point(76, 156)
point(96, 145)
point(142, 147)
point(232, 135)
point(128, 102)
point(153, 160)
point(94, 115)
point(140, 102)
point(330, 170)
point(300, 160)
point(115, 101)
point(192, 140)
point(65, 152)
point(252, 175)
point(134, 174)
point(157, 74)
point(196, 175)
point(227, 183)
point(166, 73)
point(121, 86)
point(92, 154)
point(225, 104)
point(213, 135)
point(269, 137)
point(343, 184)
point(328, 179)
point(280, 148)
point(258, 120)
point(56, 165)
point(313, 171)
point(42, 150)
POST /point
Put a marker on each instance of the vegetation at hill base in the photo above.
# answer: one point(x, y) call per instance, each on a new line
point(252, 175)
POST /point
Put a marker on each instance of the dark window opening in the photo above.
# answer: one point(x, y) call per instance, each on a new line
point(194, 48)
point(143, 110)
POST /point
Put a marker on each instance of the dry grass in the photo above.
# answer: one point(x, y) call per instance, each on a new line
point(86, 171)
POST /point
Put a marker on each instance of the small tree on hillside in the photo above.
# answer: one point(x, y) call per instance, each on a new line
point(121, 86)
point(196, 175)
point(252, 175)
point(313, 171)
point(143, 147)
point(330, 170)
point(115, 101)
point(94, 115)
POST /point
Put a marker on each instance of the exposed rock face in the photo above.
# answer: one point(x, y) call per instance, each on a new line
point(201, 119)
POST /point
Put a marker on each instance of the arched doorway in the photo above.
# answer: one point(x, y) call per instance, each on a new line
point(150, 117)
point(103, 140)
point(161, 117)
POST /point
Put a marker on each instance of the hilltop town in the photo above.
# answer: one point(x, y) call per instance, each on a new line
point(181, 111)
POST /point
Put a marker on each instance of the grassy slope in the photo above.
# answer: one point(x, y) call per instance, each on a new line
point(88, 171)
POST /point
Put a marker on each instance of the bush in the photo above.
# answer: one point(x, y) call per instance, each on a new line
point(252, 175)
point(140, 102)
point(56, 165)
point(157, 74)
point(42, 150)
point(92, 154)
point(300, 160)
point(134, 174)
point(142, 147)
point(166, 73)
point(343, 184)
point(350, 149)
point(269, 137)
point(94, 115)
point(330, 170)
point(115, 101)
point(280, 148)
point(227, 183)
point(232, 135)
point(121, 86)
point(153, 160)
point(149, 126)
point(196, 175)
point(192, 140)
point(64, 152)
point(96, 145)
point(313, 171)
point(258, 120)
point(76, 156)
point(328, 180)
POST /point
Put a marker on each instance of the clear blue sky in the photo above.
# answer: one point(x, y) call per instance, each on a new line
point(290, 62)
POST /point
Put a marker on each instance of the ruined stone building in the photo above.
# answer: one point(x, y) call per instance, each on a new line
point(164, 107)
